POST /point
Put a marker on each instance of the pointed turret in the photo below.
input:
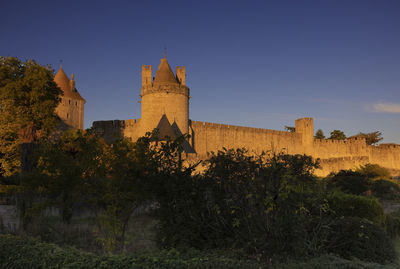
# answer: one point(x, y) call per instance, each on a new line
point(164, 74)
point(67, 85)
point(71, 106)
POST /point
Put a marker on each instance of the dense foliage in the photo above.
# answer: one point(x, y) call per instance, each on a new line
point(266, 206)
point(319, 134)
point(25, 252)
point(337, 135)
point(372, 138)
point(28, 97)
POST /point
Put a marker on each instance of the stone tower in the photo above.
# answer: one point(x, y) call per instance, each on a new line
point(166, 95)
point(305, 126)
point(71, 107)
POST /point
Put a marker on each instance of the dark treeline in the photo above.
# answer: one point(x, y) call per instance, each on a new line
point(267, 207)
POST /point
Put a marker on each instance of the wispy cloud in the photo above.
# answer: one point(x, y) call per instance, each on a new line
point(386, 108)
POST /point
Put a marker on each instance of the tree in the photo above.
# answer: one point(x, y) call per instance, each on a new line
point(372, 138)
point(319, 134)
point(28, 98)
point(374, 171)
point(337, 135)
point(290, 129)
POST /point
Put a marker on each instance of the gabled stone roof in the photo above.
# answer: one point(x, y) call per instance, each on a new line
point(164, 74)
point(165, 128)
point(67, 85)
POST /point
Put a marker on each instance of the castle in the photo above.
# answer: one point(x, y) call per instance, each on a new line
point(71, 107)
point(165, 105)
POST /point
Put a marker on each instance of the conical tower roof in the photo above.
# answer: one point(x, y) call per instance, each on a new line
point(67, 85)
point(164, 74)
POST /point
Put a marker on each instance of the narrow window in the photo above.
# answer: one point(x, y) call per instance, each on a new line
point(69, 101)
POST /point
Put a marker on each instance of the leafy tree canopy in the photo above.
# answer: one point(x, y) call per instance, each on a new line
point(28, 98)
point(319, 134)
point(372, 138)
point(337, 135)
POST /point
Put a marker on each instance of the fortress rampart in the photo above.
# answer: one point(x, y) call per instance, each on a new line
point(165, 105)
point(334, 155)
point(113, 129)
point(207, 137)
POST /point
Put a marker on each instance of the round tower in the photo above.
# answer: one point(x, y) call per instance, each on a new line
point(166, 95)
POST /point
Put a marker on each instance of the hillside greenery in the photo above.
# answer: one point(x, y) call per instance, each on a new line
point(265, 209)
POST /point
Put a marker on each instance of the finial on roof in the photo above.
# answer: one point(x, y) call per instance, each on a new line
point(72, 76)
point(61, 61)
point(165, 52)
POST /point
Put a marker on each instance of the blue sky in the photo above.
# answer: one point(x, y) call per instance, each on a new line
point(252, 63)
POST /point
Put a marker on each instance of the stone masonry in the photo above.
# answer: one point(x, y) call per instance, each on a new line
point(166, 98)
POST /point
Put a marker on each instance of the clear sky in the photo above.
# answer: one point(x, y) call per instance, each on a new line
point(252, 63)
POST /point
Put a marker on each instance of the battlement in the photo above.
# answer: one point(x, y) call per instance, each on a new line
point(305, 119)
point(340, 142)
point(146, 67)
point(389, 146)
point(211, 125)
point(146, 75)
point(181, 74)
point(331, 141)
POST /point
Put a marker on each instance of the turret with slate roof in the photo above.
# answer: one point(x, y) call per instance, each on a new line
point(71, 107)
point(165, 96)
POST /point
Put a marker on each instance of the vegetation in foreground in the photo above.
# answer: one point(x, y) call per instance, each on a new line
point(265, 208)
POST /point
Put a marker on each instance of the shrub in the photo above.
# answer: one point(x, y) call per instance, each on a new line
point(357, 238)
point(242, 201)
point(385, 189)
point(374, 171)
point(350, 182)
point(393, 224)
point(332, 262)
point(349, 205)
point(26, 252)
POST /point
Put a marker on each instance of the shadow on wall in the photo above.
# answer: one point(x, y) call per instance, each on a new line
point(109, 130)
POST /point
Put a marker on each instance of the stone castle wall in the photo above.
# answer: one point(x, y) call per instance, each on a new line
point(334, 155)
point(71, 112)
point(207, 137)
point(114, 129)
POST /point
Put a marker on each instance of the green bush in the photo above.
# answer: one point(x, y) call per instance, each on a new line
point(349, 205)
point(25, 252)
point(358, 238)
point(350, 182)
point(261, 205)
point(393, 224)
point(374, 171)
point(332, 262)
point(385, 190)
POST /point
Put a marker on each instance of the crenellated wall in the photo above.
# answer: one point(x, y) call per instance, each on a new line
point(334, 155)
point(207, 137)
point(328, 148)
point(113, 129)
